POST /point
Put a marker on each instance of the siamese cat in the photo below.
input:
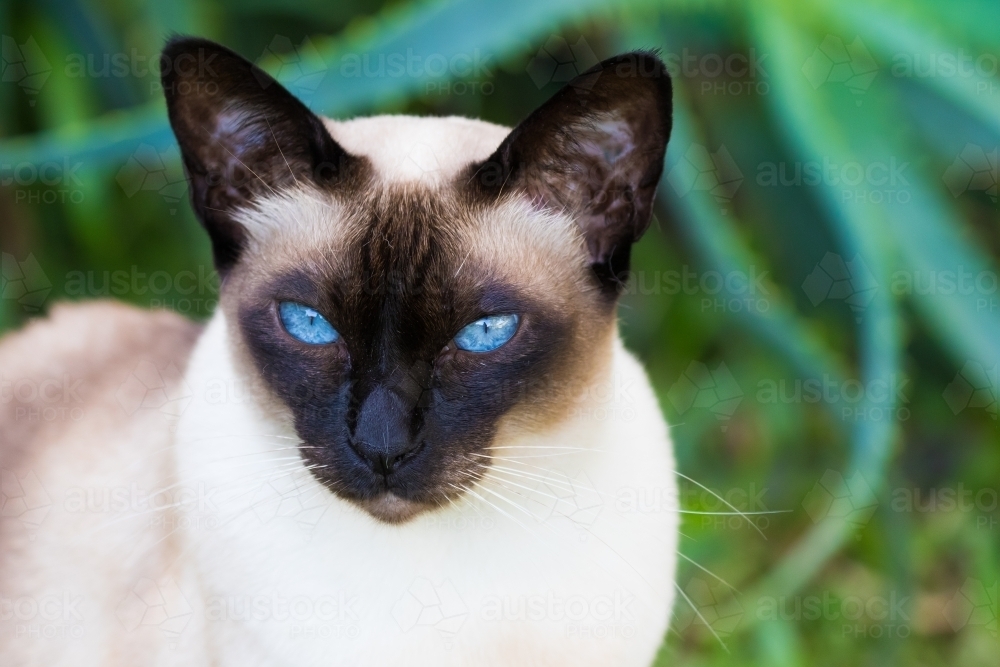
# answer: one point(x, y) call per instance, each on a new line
point(410, 433)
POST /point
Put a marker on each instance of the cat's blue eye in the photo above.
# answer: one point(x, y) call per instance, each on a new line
point(487, 333)
point(305, 324)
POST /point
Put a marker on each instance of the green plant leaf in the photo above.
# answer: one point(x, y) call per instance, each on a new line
point(440, 28)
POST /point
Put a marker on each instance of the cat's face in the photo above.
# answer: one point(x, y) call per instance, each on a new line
point(409, 288)
point(394, 413)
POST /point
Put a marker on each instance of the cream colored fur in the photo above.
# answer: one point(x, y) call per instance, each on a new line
point(251, 562)
point(425, 150)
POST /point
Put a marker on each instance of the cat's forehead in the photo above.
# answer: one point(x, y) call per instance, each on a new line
point(407, 149)
point(407, 235)
point(413, 211)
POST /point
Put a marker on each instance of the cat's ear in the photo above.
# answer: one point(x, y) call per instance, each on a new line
point(595, 150)
point(241, 135)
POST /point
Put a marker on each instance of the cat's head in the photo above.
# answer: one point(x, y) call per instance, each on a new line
point(406, 288)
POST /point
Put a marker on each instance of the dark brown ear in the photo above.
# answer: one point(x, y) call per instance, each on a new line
point(240, 134)
point(596, 150)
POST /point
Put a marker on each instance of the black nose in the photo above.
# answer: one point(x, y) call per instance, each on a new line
point(382, 437)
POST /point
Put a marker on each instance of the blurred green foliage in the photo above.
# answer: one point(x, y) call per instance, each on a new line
point(816, 302)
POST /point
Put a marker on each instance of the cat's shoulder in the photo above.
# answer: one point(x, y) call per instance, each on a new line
point(79, 354)
point(94, 333)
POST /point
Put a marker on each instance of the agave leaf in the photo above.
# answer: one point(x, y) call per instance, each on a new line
point(895, 36)
point(721, 247)
point(803, 112)
point(449, 28)
point(90, 35)
point(716, 239)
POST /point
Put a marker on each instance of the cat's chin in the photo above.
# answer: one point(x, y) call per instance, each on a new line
point(390, 508)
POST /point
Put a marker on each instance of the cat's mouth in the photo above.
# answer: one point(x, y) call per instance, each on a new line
point(390, 508)
point(423, 483)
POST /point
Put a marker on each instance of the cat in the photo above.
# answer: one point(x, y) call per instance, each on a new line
point(410, 433)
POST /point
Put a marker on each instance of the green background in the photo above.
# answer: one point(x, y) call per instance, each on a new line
point(828, 219)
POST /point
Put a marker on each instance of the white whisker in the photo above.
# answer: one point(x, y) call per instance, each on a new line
point(698, 612)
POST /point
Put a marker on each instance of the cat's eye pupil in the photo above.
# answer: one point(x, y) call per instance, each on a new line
point(487, 333)
point(306, 324)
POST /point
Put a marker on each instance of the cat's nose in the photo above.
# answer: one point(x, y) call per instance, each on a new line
point(385, 461)
point(382, 436)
